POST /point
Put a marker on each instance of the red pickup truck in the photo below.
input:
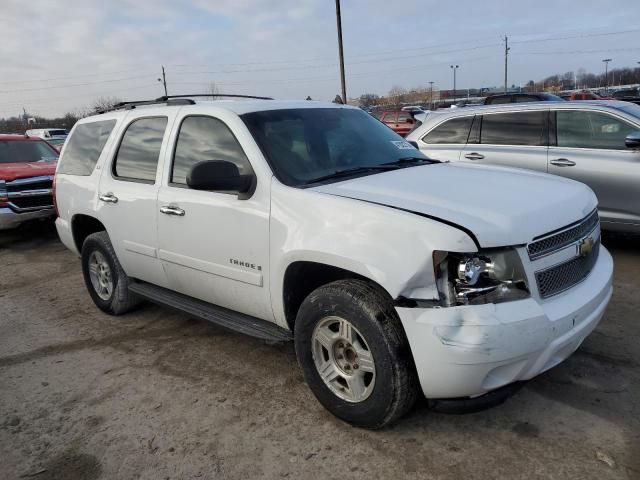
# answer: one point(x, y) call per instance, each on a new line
point(27, 167)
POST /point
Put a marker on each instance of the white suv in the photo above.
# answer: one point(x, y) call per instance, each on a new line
point(314, 222)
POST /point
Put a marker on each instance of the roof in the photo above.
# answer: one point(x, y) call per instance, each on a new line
point(18, 138)
point(239, 107)
point(473, 109)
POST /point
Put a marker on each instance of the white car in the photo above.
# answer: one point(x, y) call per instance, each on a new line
point(314, 222)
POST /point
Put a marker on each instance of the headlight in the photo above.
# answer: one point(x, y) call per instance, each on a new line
point(488, 276)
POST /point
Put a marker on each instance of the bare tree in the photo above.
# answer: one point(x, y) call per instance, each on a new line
point(101, 104)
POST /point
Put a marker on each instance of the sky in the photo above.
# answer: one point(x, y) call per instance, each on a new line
point(58, 56)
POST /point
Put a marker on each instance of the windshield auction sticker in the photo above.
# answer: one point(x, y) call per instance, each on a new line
point(402, 145)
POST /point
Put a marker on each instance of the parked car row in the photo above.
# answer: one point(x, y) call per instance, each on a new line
point(594, 142)
point(394, 273)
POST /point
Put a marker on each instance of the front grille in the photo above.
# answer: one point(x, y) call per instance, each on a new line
point(41, 201)
point(35, 185)
point(556, 241)
point(30, 193)
point(559, 278)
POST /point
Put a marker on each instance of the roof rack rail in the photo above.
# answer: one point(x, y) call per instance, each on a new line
point(175, 100)
point(137, 103)
point(228, 95)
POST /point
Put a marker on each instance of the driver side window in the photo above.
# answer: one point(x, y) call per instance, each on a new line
point(584, 129)
point(204, 138)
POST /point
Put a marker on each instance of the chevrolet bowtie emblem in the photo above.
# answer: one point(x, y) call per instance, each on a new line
point(585, 247)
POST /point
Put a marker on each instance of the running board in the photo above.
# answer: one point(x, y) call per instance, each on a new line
point(223, 317)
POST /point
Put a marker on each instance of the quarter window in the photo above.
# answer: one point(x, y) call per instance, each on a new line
point(583, 129)
point(137, 157)
point(454, 131)
point(518, 128)
point(205, 138)
point(85, 146)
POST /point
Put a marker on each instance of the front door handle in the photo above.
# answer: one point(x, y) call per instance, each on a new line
point(474, 156)
point(172, 210)
point(108, 198)
point(562, 162)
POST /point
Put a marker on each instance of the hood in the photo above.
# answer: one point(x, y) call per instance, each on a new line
point(500, 206)
point(12, 171)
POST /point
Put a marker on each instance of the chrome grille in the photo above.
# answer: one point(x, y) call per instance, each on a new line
point(559, 278)
point(567, 236)
point(32, 193)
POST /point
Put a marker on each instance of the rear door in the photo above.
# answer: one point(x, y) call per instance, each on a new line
point(513, 139)
point(447, 139)
point(128, 192)
point(589, 147)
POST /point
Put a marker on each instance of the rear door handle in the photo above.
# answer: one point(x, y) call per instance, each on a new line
point(474, 156)
point(562, 162)
point(172, 210)
point(108, 198)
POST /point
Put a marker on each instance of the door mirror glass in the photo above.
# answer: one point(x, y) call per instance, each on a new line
point(633, 140)
point(219, 175)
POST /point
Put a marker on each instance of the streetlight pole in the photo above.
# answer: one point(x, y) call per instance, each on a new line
point(454, 68)
point(606, 74)
point(431, 95)
point(340, 52)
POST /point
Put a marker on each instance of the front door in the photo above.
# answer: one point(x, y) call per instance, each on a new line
point(590, 148)
point(128, 193)
point(214, 246)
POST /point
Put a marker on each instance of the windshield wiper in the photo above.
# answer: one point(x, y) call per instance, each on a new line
point(354, 171)
point(411, 161)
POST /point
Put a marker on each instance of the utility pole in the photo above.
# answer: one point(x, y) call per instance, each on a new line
point(431, 95)
point(606, 74)
point(340, 52)
point(164, 81)
point(454, 68)
point(506, 56)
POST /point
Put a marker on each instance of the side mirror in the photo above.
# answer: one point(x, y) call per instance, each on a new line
point(219, 175)
point(633, 140)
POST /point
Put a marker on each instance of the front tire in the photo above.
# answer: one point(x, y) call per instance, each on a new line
point(106, 281)
point(354, 354)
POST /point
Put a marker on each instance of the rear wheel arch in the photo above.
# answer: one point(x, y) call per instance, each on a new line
point(82, 226)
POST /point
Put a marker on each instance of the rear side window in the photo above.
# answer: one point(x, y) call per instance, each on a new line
point(84, 147)
point(137, 157)
point(518, 128)
point(453, 131)
point(205, 138)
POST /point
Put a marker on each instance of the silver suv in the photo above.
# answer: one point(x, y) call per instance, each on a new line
point(597, 143)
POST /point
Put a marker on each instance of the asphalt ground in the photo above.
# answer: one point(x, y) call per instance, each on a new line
point(155, 394)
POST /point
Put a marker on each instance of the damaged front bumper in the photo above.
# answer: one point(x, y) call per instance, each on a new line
point(467, 351)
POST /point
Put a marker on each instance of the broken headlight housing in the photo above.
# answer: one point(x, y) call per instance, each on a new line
point(488, 276)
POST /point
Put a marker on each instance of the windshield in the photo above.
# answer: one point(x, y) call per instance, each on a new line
point(310, 143)
point(630, 108)
point(24, 151)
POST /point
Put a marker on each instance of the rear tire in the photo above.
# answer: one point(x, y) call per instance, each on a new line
point(106, 281)
point(349, 331)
